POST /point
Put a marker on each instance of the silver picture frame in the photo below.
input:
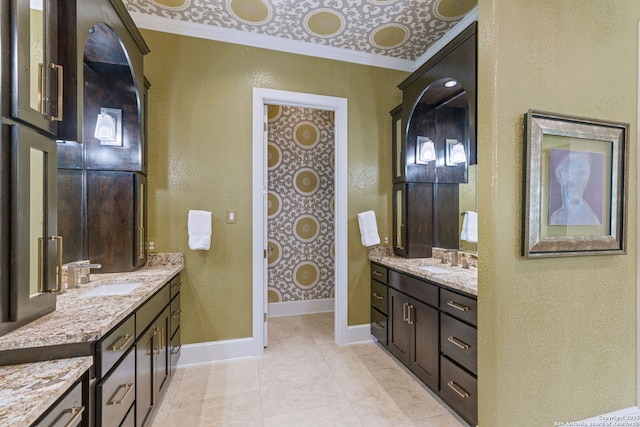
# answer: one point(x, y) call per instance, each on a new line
point(575, 186)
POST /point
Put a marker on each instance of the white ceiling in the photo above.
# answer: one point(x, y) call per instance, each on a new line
point(398, 34)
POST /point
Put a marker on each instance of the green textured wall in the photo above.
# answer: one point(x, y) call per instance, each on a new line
point(557, 337)
point(200, 158)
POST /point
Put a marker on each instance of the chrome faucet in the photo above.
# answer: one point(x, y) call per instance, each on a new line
point(454, 257)
point(74, 277)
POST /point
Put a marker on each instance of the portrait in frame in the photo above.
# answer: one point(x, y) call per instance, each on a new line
point(575, 186)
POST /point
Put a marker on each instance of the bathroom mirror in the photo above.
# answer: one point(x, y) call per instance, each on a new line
point(442, 115)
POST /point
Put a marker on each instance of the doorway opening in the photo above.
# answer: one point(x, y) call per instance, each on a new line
point(338, 106)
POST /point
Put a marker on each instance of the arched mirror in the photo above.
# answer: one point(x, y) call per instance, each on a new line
point(439, 143)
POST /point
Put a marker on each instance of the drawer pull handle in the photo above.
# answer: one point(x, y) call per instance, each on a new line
point(127, 339)
point(457, 306)
point(377, 325)
point(175, 286)
point(176, 350)
point(76, 412)
point(459, 390)
point(127, 390)
point(404, 312)
point(377, 296)
point(176, 314)
point(377, 273)
point(461, 344)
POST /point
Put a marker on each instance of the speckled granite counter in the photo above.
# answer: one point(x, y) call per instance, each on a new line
point(465, 280)
point(83, 319)
point(26, 391)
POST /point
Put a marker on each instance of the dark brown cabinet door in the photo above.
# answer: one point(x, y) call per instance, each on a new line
point(399, 332)
point(413, 219)
point(37, 90)
point(424, 353)
point(71, 215)
point(115, 220)
point(35, 246)
point(146, 349)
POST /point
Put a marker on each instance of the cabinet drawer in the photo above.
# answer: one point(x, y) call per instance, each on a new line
point(379, 326)
point(419, 289)
point(116, 392)
point(130, 419)
point(379, 273)
point(459, 389)
point(460, 306)
point(114, 345)
point(459, 341)
point(379, 296)
point(175, 286)
point(69, 411)
point(148, 312)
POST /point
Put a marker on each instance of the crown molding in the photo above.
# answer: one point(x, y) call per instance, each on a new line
point(228, 35)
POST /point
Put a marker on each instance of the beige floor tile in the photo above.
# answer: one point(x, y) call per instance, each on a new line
point(373, 357)
point(289, 354)
point(294, 388)
point(218, 379)
point(378, 410)
point(446, 420)
point(320, 327)
point(233, 410)
point(339, 415)
point(342, 360)
point(410, 396)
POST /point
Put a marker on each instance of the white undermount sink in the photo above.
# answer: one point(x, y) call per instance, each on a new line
point(434, 269)
point(106, 289)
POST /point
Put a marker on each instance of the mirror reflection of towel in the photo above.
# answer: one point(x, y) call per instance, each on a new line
point(368, 228)
point(199, 225)
point(470, 227)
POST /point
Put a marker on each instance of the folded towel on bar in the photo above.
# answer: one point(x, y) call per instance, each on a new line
point(199, 225)
point(470, 227)
point(368, 228)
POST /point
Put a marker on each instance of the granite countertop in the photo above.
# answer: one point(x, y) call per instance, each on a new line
point(83, 319)
point(465, 280)
point(27, 391)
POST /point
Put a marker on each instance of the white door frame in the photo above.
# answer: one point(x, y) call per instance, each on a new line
point(317, 102)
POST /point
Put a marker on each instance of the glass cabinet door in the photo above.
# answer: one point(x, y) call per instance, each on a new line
point(399, 219)
point(397, 145)
point(36, 250)
point(37, 77)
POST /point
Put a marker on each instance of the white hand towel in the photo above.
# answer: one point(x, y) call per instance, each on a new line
point(368, 228)
point(470, 227)
point(199, 225)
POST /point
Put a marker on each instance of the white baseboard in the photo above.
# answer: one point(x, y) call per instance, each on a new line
point(215, 351)
point(610, 419)
point(359, 333)
point(295, 308)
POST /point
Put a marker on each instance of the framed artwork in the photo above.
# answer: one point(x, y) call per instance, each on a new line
point(575, 186)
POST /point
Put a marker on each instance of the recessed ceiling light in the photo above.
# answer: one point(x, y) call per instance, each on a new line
point(450, 83)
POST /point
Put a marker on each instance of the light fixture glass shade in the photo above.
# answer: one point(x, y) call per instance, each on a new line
point(457, 153)
point(105, 128)
point(426, 150)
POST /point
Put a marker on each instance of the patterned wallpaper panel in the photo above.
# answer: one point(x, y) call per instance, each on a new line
point(300, 204)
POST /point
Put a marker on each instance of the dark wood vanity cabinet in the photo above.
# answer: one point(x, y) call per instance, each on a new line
point(432, 330)
point(413, 326)
point(70, 410)
point(413, 219)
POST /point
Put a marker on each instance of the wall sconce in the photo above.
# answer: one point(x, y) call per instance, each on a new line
point(109, 127)
point(426, 150)
point(455, 153)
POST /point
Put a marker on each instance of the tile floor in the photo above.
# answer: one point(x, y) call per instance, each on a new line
point(303, 379)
